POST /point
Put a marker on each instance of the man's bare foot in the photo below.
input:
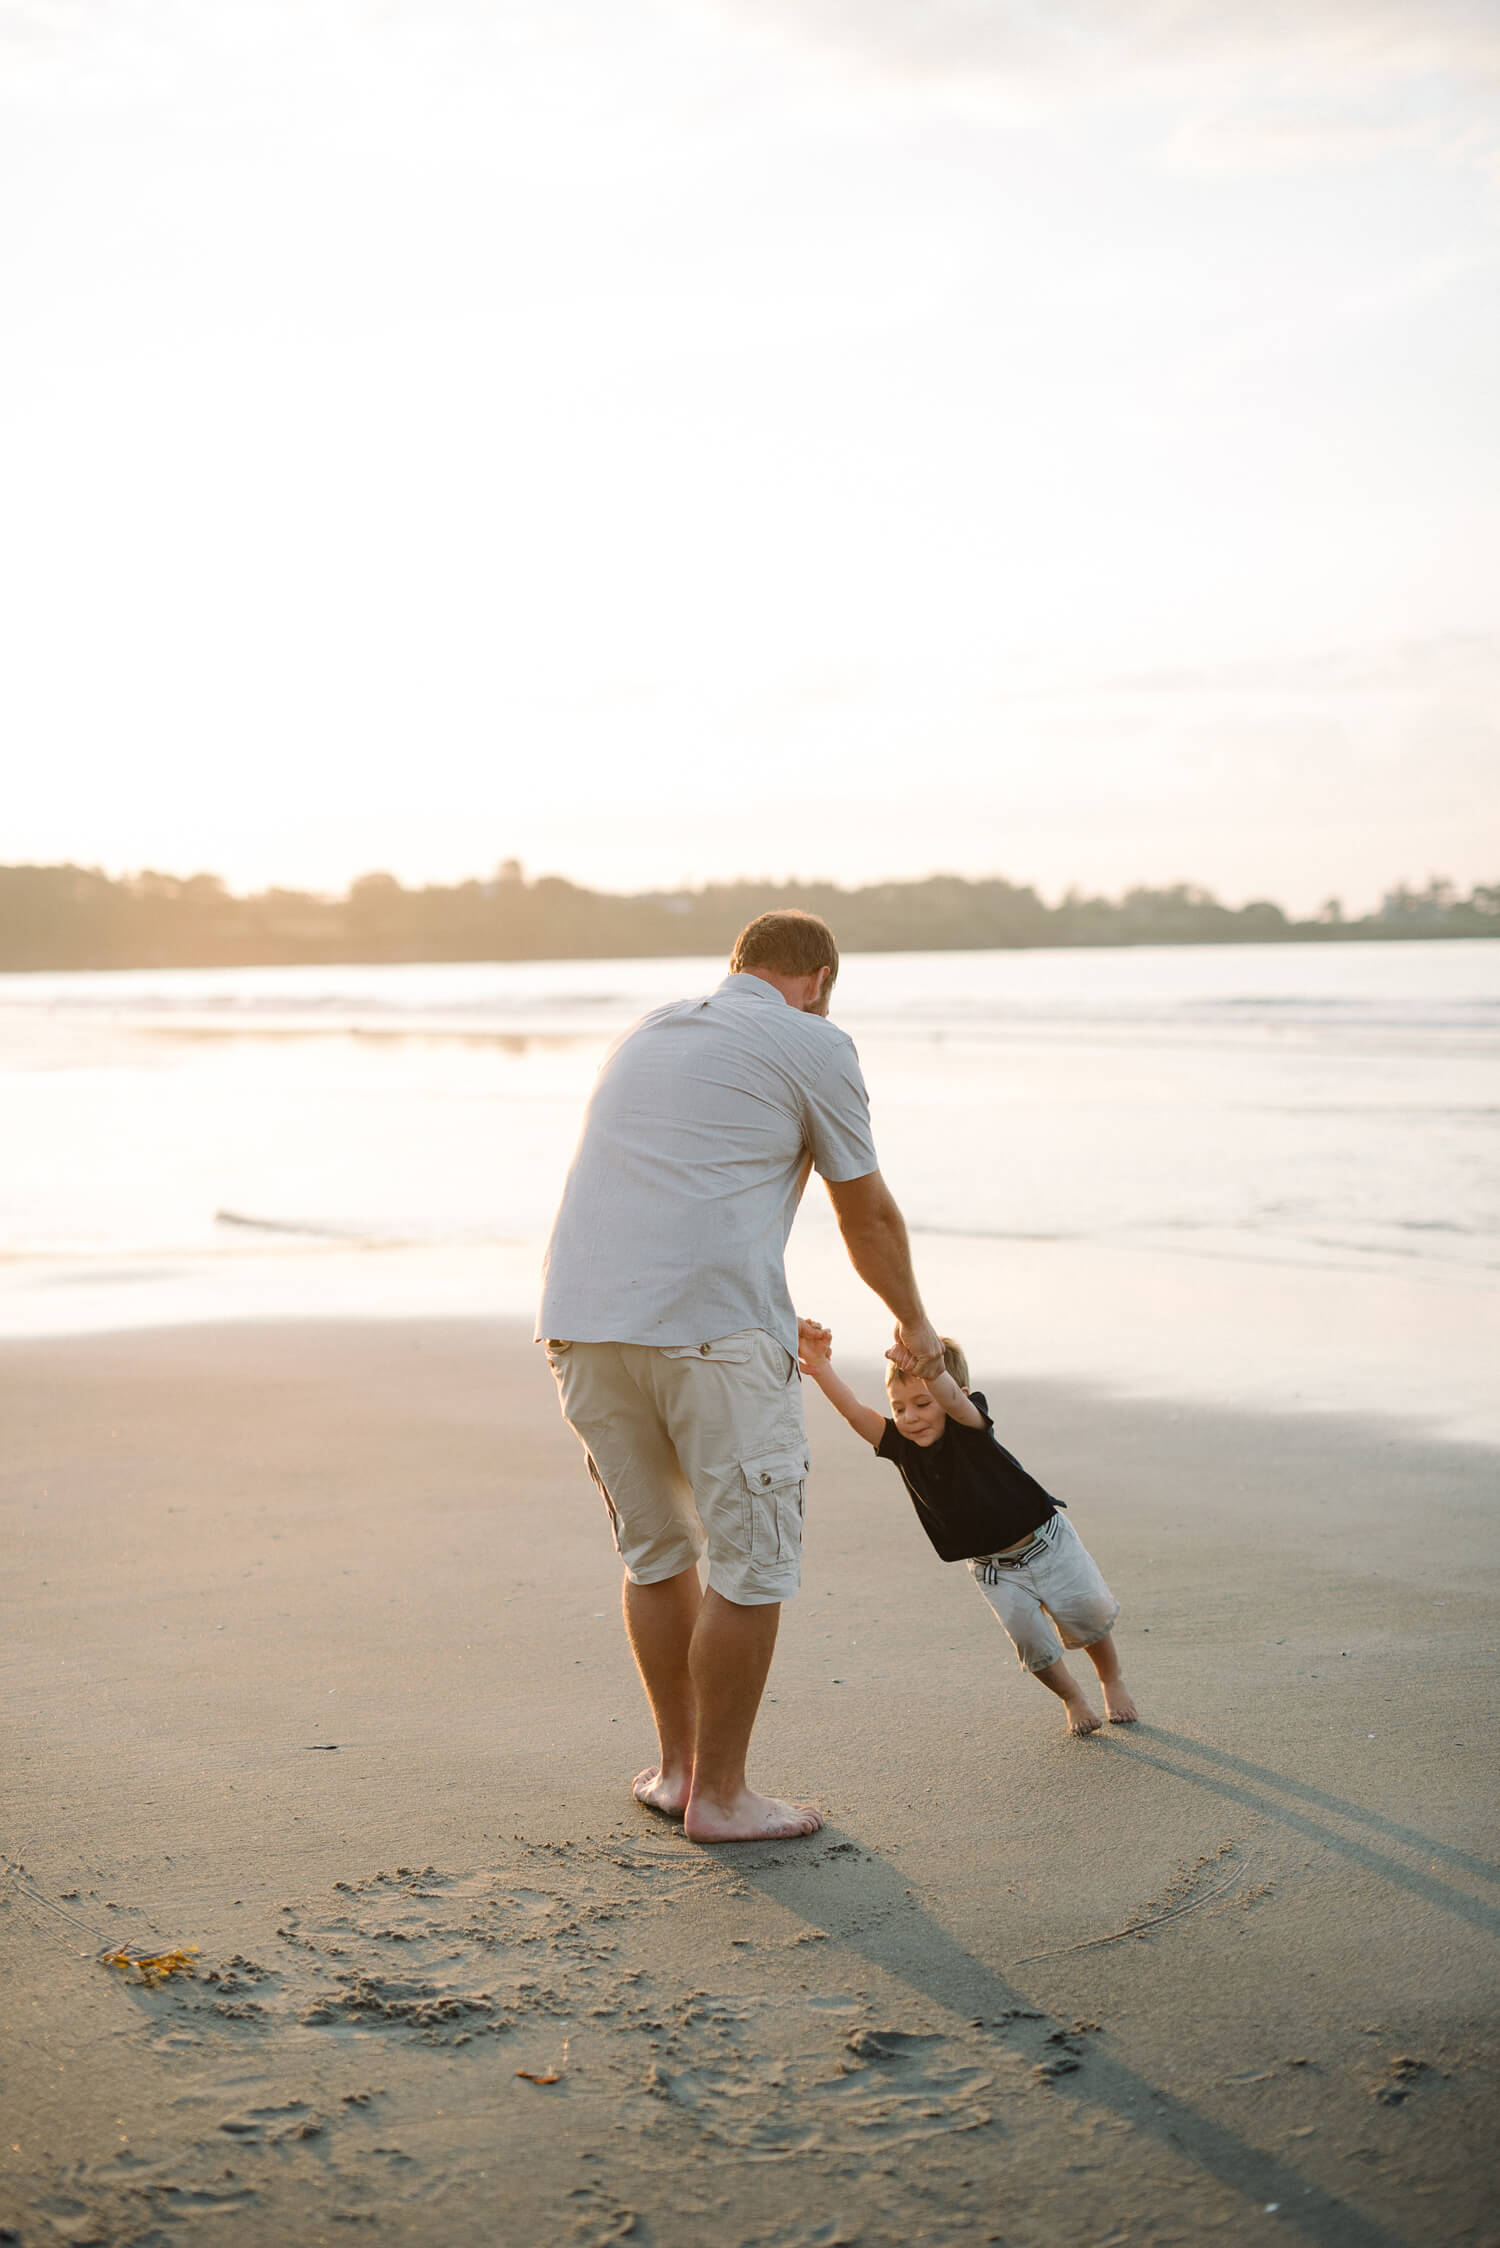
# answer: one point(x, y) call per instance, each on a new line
point(1081, 1719)
point(1119, 1708)
point(753, 1818)
point(657, 1793)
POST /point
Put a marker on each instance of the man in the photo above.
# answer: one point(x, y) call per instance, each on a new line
point(673, 1339)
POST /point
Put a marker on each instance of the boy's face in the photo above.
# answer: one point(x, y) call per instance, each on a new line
point(914, 1409)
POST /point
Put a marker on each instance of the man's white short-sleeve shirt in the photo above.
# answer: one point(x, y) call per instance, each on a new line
point(696, 1145)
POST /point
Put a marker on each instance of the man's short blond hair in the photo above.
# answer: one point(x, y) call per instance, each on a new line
point(791, 942)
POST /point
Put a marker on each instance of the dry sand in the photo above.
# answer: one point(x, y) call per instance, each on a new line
point(312, 1659)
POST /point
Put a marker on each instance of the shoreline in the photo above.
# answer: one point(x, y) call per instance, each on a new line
point(236, 1545)
point(1411, 1343)
point(1313, 933)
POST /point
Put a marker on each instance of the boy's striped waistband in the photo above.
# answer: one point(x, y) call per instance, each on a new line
point(989, 1567)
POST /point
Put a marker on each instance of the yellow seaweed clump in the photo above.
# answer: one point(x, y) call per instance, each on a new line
point(151, 1967)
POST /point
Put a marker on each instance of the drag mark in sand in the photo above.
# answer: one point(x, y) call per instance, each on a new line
point(884, 1923)
point(1177, 1909)
point(1252, 1787)
point(149, 1965)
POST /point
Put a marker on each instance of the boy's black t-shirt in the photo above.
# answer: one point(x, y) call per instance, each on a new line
point(971, 1496)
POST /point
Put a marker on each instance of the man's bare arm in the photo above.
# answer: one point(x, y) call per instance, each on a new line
point(874, 1234)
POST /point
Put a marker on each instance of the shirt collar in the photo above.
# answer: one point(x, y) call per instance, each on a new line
point(752, 987)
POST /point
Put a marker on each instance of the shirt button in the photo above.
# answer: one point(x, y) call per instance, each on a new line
point(705, 1348)
point(765, 1479)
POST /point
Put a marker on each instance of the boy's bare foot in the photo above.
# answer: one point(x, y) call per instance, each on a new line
point(1081, 1719)
point(1118, 1706)
point(752, 1818)
point(657, 1793)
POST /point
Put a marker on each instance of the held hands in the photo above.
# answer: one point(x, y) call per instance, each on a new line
point(814, 1346)
point(918, 1348)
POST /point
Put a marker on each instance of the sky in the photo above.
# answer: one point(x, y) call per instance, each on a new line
point(667, 440)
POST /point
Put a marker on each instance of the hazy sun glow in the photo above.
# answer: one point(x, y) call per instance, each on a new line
point(659, 438)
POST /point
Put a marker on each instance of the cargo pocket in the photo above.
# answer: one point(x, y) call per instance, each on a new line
point(728, 1350)
point(775, 1488)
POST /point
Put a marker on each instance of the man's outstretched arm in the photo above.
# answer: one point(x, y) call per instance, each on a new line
point(874, 1234)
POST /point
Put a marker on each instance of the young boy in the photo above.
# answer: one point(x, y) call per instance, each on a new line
point(978, 1504)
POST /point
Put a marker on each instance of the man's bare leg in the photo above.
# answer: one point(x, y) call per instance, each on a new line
point(729, 1660)
point(1104, 1656)
point(1059, 1680)
point(659, 1622)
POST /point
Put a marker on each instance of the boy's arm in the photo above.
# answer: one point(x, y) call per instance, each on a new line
point(863, 1419)
point(812, 1355)
point(956, 1402)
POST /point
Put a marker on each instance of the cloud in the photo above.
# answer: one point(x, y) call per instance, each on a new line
point(1451, 663)
point(1264, 84)
point(1087, 43)
point(393, 71)
point(1219, 140)
point(1241, 85)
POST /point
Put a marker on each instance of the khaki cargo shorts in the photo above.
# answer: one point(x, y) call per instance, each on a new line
point(695, 1446)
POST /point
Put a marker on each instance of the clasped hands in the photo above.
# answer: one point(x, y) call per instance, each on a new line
point(917, 1349)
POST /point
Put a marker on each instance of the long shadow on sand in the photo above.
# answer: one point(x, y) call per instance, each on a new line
point(878, 1918)
point(1484, 1867)
point(1259, 1797)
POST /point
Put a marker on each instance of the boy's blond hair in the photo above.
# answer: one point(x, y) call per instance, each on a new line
point(954, 1363)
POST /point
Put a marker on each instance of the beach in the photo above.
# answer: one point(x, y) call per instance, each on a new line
point(985, 517)
point(313, 1662)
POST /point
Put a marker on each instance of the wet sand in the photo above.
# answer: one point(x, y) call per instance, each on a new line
point(312, 1659)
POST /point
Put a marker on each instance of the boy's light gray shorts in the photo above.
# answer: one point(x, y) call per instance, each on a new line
point(695, 1446)
point(1053, 1599)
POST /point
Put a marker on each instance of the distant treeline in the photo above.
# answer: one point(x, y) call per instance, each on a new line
point(75, 917)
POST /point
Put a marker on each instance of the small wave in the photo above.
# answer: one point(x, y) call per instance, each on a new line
point(344, 1002)
point(312, 1228)
point(986, 1233)
point(392, 1234)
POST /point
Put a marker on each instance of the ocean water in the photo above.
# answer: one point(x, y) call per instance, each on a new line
point(1240, 1171)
